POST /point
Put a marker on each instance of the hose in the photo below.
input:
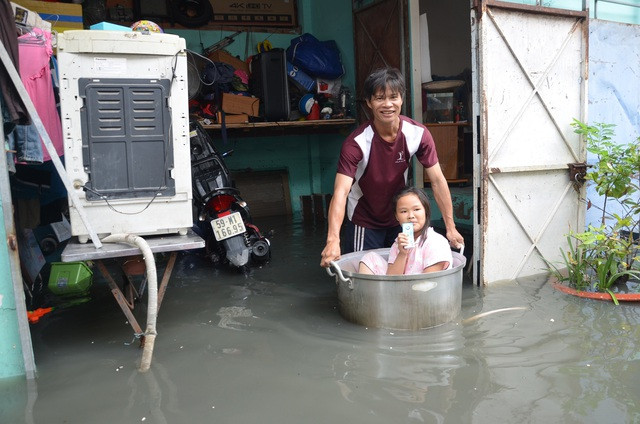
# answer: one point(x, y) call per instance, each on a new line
point(152, 282)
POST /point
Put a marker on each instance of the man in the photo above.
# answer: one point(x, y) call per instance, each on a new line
point(373, 167)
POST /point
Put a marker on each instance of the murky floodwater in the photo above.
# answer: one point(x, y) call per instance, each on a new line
point(271, 348)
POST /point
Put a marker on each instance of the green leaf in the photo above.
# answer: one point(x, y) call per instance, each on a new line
point(613, 297)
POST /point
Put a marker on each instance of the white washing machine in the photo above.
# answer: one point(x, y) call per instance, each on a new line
point(125, 121)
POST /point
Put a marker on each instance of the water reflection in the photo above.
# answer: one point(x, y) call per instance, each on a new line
point(271, 347)
point(415, 368)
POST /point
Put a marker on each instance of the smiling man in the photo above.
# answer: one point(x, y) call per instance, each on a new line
point(373, 167)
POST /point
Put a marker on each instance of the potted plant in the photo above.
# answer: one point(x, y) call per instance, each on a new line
point(604, 260)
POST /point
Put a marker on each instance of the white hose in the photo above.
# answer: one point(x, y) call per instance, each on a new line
point(152, 303)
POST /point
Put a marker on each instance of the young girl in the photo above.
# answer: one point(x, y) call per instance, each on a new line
point(431, 252)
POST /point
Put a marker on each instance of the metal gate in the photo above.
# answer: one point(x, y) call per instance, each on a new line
point(531, 83)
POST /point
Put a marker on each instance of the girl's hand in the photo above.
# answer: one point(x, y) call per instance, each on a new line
point(403, 241)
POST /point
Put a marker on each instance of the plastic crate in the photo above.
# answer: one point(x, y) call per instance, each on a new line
point(70, 278)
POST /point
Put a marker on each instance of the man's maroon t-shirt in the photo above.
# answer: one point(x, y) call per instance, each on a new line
point(379, 169)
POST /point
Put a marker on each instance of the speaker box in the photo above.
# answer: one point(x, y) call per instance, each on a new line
point(268, 81)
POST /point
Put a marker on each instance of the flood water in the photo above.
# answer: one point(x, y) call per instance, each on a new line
point(271, 347)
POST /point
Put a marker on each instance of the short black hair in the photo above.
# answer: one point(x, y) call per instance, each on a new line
point(423, 199)
point(384, 78)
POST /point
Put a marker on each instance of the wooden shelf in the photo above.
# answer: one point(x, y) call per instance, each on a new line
point(324, 125)
point(447, 124)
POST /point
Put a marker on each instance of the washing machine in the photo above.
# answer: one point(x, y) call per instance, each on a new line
point(125, 121)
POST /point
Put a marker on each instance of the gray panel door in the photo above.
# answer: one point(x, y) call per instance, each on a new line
point(126, 131)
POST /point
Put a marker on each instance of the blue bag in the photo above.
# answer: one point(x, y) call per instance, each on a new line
point(320, 59)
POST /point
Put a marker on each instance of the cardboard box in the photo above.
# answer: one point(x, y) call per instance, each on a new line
point(62, 16)
point(241, 118)
point(224, 57)
point(281, 13)
point(236, 104)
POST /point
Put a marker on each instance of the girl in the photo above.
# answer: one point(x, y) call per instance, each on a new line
point(431, 252)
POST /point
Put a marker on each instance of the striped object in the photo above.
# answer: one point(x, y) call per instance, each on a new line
point(62, 16)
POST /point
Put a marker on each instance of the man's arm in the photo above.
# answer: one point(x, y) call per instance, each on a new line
point(443, 198)
point(335, 214)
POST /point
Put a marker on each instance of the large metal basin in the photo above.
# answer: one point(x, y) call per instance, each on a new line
point(399, 302)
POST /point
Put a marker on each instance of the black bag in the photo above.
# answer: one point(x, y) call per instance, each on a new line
point(217, 75)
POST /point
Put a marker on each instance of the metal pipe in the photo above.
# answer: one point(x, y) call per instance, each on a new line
point(152, 301)
point(621, 3)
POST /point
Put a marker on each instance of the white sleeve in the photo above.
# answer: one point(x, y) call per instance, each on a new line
point(437, 250)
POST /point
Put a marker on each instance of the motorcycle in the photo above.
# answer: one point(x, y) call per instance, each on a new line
point(222, 217)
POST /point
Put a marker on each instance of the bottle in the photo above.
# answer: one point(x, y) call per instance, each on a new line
point(314, 115)
point(459, 113)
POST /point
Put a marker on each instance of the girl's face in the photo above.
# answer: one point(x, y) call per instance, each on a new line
point(410, 209)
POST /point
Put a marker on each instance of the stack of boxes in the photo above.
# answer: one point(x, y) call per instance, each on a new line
point(238, 108)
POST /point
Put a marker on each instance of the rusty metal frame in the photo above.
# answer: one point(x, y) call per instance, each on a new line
point(535, 239)
point(481, 7)
point(534, 86)
point(127, 305)
point(484, 7)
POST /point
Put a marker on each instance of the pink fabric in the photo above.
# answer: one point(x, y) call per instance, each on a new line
point(244, 77)
point(36, 77)
point(375, 263)
point(429, 250)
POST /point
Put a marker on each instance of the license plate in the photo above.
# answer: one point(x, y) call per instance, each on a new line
point(228, 226)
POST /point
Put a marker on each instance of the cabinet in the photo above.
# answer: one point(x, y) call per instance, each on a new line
point(449, 140)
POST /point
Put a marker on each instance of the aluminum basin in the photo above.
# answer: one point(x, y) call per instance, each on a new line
point(399, 302)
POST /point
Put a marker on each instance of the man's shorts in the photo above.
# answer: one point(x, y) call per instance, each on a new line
point(356, 238)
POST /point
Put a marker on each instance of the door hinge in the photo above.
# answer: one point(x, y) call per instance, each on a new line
point(578, 172)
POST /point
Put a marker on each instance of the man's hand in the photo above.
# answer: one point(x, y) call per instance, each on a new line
point(335, 216)
point(455, 239)
point(443, 198)
point(330, 253)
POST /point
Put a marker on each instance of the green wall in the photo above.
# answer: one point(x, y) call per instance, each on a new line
point(310, 159)
point(12, 362)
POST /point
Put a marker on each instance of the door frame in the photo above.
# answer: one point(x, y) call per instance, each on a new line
point(480, 173)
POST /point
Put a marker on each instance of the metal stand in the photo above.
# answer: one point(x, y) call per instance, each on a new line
point(75, 251)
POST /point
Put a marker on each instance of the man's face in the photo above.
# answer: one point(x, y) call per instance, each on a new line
point(385, 105)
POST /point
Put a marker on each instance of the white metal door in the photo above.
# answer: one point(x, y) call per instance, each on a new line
point(532, 80)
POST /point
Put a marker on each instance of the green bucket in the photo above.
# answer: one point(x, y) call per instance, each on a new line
point(70, 278)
